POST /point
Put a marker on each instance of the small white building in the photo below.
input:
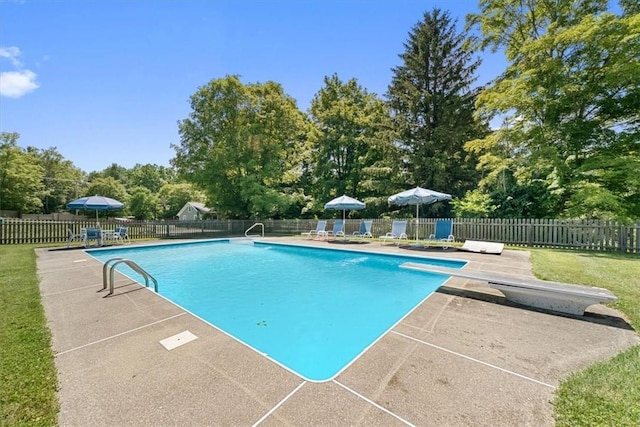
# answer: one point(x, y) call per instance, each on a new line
point(193, 211)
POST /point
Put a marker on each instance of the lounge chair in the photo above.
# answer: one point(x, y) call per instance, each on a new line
point(365, 230)
point(120, 235)
point(482, 247)
point(320, 229)
point(443, 234)
point(338, 230)
point(71, 237)
point(398, 232)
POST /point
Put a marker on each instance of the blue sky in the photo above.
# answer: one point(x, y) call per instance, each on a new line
point(107, 81)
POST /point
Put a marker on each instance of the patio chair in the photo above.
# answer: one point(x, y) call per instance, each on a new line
point(120, 235)
point(443, 234)
point(365, 230)
point(398, 232)
point(338, 230)
point(71, 237)
point(93, 234)
point(320, 229)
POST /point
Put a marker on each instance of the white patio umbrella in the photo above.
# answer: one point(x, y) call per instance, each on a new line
point(418, 196)
point(345, 203)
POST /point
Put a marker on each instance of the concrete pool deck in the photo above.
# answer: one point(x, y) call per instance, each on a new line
point(465, 356)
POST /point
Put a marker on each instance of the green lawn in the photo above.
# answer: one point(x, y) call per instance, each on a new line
point(605, 394)
point(27, 372)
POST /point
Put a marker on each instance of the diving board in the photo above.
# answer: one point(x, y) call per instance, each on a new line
point(555, 296)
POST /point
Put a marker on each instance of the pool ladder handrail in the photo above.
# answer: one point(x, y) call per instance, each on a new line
point(246, 233)
point(135, 267)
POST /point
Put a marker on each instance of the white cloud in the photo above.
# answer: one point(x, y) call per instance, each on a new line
point(14, 84)
point(11, 53)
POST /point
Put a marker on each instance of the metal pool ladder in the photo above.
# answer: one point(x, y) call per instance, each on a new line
point(246, 233)
point(135, 267)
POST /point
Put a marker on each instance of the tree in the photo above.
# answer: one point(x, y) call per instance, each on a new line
point(242, 145)
point(152, 177)
point(432, 102)
point(107, 187)
point(571, 96)
point(352, 149)
point(63, 181)
point(142, 203)
point(172, 197)
point(21, 176)
point(117, 172)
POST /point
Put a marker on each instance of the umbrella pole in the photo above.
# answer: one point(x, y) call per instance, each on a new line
point(344, 223)
point(417, 220)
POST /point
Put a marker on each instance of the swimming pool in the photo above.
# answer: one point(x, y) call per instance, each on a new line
point(311, 310)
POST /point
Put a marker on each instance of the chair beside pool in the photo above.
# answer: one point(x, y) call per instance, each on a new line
point(398, 232)
point(442, 234)
point(365, 230)
point(482, 247)
point(73, 237)
point(320, 229)
point(120, 234)
point(92, 234)
point(338, 230)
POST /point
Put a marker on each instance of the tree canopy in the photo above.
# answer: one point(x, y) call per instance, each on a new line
point(569, 100)
point(567, 146)
point(352, 149)
point(242, 144)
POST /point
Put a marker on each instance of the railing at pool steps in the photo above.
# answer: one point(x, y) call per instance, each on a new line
point(135, 267)
point(246, 233)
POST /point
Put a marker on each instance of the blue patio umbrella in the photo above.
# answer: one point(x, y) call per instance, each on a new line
point(418, 196)
point(97, 203)
point(345, 203)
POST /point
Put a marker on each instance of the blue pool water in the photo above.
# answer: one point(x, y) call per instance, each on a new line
point(311, 310)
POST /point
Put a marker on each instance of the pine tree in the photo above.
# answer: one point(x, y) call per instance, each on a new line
point(432, 101)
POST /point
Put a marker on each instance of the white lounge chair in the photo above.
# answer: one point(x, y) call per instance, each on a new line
point(338, 230)
point(365, 230)
point(482, 247)
point(320, 229)
point(398, 232)
point(442, 235)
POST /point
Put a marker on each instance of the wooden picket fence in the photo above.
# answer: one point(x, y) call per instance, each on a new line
point(553, 233)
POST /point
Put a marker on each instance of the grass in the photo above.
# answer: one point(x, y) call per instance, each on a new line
point(27, 371)
point(606, 393)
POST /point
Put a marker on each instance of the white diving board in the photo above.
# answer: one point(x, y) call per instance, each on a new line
point(555, 296)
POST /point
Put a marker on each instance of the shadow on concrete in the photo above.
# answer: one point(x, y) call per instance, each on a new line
point(599, 318)
point(348, 242)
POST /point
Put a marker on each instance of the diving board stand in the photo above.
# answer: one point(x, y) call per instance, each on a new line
point(555, 296)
